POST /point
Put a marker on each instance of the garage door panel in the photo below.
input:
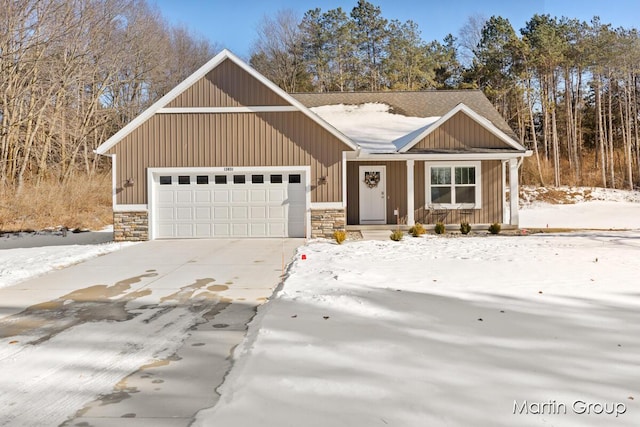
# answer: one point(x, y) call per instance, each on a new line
point(202, 213)
point(221, 196)
point(258, 212)
point(240, 230)
point(202, 196)
point(221, 212)
point(222, 230)
point(204, 230)
point(258, 230)
point(239, 196)
point(184, 213)
point(277, 195)
point(258, 196)
point(166, 214)
point(184, 196)
point(165, 196)
point(219, 208)
point(239, 212)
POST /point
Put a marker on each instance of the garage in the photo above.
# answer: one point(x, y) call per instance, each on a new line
point(228, 203)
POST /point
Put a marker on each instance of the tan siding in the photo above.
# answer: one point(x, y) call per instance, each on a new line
point(218, 140)
point(491, 211)
point(458, 133)
point(227, 85)
point(396, 190)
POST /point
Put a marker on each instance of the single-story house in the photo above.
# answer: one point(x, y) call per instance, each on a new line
point(227, 153)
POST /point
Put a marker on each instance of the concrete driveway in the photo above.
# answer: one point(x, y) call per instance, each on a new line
point(142, 336)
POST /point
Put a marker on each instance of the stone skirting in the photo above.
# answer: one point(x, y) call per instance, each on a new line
point(325, 221)
point(130, 226)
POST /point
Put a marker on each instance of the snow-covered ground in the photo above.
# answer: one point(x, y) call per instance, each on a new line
point(440, 330)
point(528, 330)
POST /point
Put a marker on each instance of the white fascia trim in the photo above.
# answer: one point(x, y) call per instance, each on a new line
point(344, 179)
point(482, 121)
point(201, 72)
point(222, 110)
point(231, 169)
point(454, 157)
point(130, 208)
point(478, 184)
point(327, 205)
point(114, 183)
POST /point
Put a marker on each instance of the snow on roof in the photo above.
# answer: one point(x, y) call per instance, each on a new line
point(372, 126)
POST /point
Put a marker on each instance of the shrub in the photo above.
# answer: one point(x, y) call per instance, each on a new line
point(396, 235)
point(495, 228)
point(340, 236)
point(465, 227)
point(417, 230)
point(440, 228)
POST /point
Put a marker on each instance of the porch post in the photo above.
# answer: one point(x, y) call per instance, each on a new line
point(410, 197)
point(513, 191)
point(505, 213)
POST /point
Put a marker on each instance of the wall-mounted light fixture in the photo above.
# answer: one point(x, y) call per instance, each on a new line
point(129, 182)
point(322, 180)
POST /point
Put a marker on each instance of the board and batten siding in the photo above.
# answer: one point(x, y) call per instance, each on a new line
point(396, 191)
point(229, 140)
point(460, 132)
point(491, 211)
point(227, 85)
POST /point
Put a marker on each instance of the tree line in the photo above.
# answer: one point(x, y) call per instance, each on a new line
point(72, 72)
point(568, 88)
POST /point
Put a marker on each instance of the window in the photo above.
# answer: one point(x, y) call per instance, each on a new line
point(165, 180)
point(239, 179)
point(184, 179)
point(276, 179)
point(202, 179)
point(294, 179)
point(454, 186)
point(257, 179)
point(221, 179)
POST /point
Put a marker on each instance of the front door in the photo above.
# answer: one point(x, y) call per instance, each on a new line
point(373, 197)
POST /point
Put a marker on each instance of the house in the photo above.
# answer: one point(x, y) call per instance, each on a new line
point(227, 153)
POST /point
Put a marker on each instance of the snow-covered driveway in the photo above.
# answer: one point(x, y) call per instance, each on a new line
point(146, 331)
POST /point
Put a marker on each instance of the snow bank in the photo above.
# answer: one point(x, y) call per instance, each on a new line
point(19, 264)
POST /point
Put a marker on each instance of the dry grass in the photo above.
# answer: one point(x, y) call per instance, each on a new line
point(591, 175)
point(82, 203)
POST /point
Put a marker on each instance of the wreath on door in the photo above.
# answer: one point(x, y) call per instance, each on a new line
point(372, 179)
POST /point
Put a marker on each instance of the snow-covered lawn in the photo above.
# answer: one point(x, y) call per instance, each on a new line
point(19, 264)
point(528, 330)
point(442, 331)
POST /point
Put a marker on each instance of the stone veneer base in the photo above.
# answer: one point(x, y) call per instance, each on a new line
point(130, 226)
point(324, 222)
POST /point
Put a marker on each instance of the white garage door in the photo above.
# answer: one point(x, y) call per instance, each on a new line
point(245, 204)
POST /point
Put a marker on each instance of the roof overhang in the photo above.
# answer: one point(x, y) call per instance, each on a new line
point(200, 73)
point(362, 156)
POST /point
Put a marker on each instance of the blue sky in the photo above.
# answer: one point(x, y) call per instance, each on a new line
point(232, 24)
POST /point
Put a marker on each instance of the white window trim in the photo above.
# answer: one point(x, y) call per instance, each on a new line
point(452, 165)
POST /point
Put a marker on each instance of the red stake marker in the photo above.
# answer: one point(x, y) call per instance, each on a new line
point(304, 256)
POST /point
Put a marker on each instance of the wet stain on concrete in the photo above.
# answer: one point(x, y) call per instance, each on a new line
point(220, 325)
point(217, 288)
point(95, 303)
point(157, 381)
point(128, 415)
point(186, 292)
point(197, 344)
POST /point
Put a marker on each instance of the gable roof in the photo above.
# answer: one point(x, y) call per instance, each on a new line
point(482, 121)
point(200, 73)
point(431, 103)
